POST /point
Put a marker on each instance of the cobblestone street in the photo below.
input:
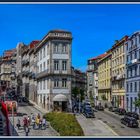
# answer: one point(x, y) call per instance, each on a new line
point(26, 109)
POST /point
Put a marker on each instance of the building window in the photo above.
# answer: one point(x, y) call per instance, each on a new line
point(64, 82)
point(56, 65)
point(64, 47)
point(44, 65)
point(130, 56)
point(64, 65)
point(44, 84)
point(135, 86)
point(127, 87)
point(56, 83)
point(127, 58)
point(40, 67)
point(44, 52)
point(131, 87)
point(132, 42)
point(55, 48)
point(126, 46)
point(40, 85)
point(135, 71)
point(40, 54)
point(136, 40)
point(40, 98)
point(135, 54)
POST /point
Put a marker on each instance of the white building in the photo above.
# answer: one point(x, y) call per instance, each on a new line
point(54, 71)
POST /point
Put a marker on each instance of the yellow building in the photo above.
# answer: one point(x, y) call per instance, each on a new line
point(104, 79)
point(118, 73)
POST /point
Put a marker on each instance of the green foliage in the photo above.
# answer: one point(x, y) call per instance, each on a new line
point(137, 103)
point(77, 91)
point(65, 124)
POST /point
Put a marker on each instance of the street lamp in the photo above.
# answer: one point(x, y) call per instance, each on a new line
point(13, 118)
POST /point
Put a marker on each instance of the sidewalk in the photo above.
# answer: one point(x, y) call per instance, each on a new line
point(94, 127)
point(38, 107)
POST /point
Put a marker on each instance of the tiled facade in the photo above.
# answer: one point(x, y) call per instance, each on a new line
point(132, 71)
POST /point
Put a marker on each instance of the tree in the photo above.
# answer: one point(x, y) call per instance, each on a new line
point(75, 92)
point(137, 102)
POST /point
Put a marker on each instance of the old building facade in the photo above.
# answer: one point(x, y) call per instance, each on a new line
point(104, 79)
point(54, 71)
point(118, 73)
point(132, 71)
point(92, 78)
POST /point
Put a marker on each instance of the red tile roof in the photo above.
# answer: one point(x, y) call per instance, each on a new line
point(33, 43)
point(100, 56)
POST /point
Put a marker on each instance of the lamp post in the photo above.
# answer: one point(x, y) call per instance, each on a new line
point(13, 118)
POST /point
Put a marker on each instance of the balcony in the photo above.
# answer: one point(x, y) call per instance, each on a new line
point(42, 74)
point(132, 48)
point(133, 62)
point(114, 78)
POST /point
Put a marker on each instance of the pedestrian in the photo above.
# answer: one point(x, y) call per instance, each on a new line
point(26, 130)
point(25, 123)
point(18, 123)
point(29, 120)
point(38, 116)
point(40, 123)
point(33, 121)
point(44, 123)
point(37, 121)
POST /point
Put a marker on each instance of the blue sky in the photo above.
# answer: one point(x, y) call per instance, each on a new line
point(94, 27)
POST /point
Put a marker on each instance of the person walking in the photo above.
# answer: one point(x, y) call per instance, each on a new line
point(25, 123)
point(27, 130)
point(33, 121)
point(18, 123)
point(40, 123)
point(29, 120)
point(44, 123)
point(37, 122)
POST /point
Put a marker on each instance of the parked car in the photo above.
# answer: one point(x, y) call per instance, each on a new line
point(88, 113)
point(129, 121)
point(112, 109)
point(99, 107)
point(116, 110)
point(132, 114)
point(121, 111)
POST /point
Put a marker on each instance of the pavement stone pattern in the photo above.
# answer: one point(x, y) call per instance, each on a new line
point(92, 127)
point(25, 109)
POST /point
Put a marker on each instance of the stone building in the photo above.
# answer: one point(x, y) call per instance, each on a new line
point(92, 78)
point(7, 69)
point(25, 71)
point(33, 71)
point(54, 71)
